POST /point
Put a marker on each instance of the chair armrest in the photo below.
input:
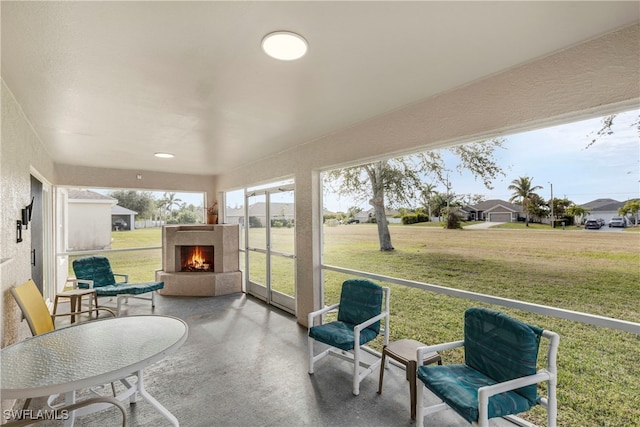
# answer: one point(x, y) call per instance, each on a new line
point(421, 351)
point(516, 383)
point(73, 281)
point(371, 321)
point(126, 277)
point(88, 282)
point(317, 313)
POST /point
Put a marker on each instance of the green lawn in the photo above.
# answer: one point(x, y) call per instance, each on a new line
point(585, 271)
point(597, 273)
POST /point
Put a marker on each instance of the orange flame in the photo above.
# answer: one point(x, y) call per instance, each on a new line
point(197, 258)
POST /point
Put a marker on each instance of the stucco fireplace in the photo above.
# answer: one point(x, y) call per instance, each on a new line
point(200, 260)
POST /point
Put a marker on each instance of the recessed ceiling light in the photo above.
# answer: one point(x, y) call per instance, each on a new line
point(284, 45)
point(164, 155)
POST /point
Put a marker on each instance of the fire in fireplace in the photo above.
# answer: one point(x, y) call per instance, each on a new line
point(196, 258)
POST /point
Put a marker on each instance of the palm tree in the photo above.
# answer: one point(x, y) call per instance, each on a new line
point(169, 201)
point(425, 196)
point(577, 212)
point(523, 192)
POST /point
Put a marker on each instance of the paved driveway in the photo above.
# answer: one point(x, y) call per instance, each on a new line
point(482, 225)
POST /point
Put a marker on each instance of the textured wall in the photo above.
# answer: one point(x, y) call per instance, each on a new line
point(21, 151)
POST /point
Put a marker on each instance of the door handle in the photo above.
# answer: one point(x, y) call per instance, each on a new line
point(33, 257)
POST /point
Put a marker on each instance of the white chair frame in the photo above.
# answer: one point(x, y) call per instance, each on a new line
point(548, 374)
point(119, 298)
point(355, 356)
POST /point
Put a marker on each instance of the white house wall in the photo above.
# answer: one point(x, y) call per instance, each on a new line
point(89, 226)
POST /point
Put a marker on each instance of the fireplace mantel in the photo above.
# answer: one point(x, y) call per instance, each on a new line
point(225, 277)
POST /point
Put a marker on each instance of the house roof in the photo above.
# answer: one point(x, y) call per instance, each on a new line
point(120, 210)
point(495, 204)
point(603, 205)
point(85, 196)
point(107, 84)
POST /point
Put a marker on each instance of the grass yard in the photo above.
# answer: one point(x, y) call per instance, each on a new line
point(598, 273)
point(139, 265)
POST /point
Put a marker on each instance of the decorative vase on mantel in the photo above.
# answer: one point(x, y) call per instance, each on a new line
point(212, 219)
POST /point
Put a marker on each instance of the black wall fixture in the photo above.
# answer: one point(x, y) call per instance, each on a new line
point(24, 221)
point(26, 214)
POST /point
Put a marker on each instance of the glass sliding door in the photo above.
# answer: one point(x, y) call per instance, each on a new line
point(270, 255)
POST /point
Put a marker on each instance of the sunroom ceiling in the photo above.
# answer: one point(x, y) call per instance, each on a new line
point(108, 84)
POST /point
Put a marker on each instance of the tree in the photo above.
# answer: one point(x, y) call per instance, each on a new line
point(538, 207)
point(168, 202)
point(393, 182)
point(523, 194)
point(426, 193)
point(607, 128)
point(560, 206)
point(138, 201)
point(631, 207)
point(577, 212)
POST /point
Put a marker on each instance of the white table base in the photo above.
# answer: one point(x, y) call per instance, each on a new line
point(129, 392)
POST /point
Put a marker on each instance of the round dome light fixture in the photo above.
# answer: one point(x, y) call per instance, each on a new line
point(164, 155)
point(284, 45)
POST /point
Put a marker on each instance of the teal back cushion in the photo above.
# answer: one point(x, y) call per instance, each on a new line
point(360, 300)
point(501, 347)
point(96, 268)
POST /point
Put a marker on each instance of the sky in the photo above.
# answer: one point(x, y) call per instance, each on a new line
point(610, 168)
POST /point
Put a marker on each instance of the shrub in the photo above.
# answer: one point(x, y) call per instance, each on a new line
point(414, 218)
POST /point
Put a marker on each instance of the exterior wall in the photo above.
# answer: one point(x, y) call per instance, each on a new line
point(588, 80)
point(89, 226)
point(20, 153)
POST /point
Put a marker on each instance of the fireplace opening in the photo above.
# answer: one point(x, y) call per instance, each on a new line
point(196, 258)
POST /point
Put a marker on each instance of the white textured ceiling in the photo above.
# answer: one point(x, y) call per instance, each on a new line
point(107, 84)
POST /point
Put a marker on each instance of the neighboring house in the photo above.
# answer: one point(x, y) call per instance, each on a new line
point(466, 213)
point(367, 216)
point(495, 210)
point(122, 218)
point(234, 215)
point(279, 211)
point(602, 208)
point(89, 220)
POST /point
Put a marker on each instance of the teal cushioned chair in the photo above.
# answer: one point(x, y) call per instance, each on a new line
point(360, 312)
point(499, 377)
point(95, 272)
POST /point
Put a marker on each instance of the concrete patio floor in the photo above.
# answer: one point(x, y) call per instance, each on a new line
point(245, 364)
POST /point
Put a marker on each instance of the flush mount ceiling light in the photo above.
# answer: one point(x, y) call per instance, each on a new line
point(284, 45)
point(164, 155)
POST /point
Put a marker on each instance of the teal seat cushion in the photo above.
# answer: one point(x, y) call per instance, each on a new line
point(360, 300)
point(457, 386)
point(340, 335)
point(128, 289)
point(96, 268)
point(501, 347)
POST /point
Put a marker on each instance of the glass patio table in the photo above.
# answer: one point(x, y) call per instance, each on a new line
point(88, 355)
